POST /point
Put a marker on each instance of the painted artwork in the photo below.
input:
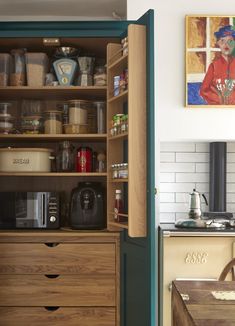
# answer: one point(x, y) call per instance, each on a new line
point(210, 61)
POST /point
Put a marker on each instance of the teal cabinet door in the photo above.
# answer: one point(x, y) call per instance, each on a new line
point(138, 255)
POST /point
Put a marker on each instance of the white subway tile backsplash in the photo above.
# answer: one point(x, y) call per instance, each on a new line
point(185, 166)
point(202, 167)
point(230, 187)
point(167, 197)
point(182, 197)
point(192, 157)
point(202, 187)
point(230, 177)
point(181, 215)
point(177, 147)
point(231, 198)
point(167, 157)
point(176, 187)
point(167, 177)
point(177, 167)
point(231, 157)
point(230, 167)
point(203, 147)
point(192, 177)
point(167, 217)
point(174, 207)
point(231, 147)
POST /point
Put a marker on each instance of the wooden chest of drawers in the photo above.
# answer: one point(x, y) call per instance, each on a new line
point(59, 278)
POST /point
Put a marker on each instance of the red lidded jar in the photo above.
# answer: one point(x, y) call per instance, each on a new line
point(84, 159)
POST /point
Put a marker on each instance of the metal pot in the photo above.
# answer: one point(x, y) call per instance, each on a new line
point(25, 159)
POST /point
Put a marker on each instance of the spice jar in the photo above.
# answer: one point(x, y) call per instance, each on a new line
point(100, 77)
point(53, 122)
point(65, 157)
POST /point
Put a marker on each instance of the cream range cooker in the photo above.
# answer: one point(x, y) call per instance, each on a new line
point(190, 254)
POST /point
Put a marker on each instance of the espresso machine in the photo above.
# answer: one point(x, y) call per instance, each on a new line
point(87, 206)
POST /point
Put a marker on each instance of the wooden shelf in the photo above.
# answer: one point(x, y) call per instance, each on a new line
point(55, 137)
point(123, 225)
point(52, 92)
point(52, 174)
point(118, 180)
point(120, 99)
point(119, 136)
point(120, 63)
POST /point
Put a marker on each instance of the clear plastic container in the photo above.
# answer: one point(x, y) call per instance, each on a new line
point(65, 158)
point(78, 112)
point(37, 67)
point(101, 112)
point(5, 66)
point(53, 122)
point(18, 73)
point(31, 107)
point(6, 123)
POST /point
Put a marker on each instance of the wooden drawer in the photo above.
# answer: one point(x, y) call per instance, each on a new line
point(38, 316)
point(64, 290)
point(63, 258)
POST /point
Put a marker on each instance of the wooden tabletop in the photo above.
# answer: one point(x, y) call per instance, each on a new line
point(194, 304)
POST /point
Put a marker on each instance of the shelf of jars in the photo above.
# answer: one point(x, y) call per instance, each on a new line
point(53, 174)
point(53, 137)
point(53, 92)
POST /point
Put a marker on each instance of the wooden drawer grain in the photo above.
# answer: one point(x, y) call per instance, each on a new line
point(38, 316)
point(65, 290)
point(64, 258)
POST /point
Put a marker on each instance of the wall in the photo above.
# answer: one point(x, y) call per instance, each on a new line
point(173, 121)
point(183, 167)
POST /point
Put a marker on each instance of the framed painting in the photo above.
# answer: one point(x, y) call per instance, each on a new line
point(210, 61)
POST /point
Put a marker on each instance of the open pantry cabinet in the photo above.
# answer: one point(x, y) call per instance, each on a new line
point(135, 146)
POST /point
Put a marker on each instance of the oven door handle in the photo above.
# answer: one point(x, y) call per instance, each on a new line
point(43, 216)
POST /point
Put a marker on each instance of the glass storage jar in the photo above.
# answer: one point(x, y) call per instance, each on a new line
point(78, 111)
point(100, 77)
point(65, 157)
point(53, 122)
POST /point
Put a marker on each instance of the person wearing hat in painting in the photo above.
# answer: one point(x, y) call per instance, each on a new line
point(218, 86)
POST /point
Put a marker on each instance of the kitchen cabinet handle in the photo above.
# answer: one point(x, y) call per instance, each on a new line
point(52, 276)
point(51, 308)
point(52, 244)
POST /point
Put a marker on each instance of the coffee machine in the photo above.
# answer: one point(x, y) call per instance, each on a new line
point(87, 206)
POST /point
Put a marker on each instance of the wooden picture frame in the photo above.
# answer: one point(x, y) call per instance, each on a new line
point(210, 61)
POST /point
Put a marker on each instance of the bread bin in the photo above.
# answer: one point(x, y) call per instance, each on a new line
point(25, 159)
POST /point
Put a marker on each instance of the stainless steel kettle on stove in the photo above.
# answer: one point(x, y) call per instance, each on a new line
point(195, 204)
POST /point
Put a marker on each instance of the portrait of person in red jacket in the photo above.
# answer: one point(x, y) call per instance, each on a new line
point(218, 86)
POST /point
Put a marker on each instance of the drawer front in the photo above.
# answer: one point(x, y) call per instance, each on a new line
point(39, 258)
point(192, 257)
point(38, 316)
point(64, 290)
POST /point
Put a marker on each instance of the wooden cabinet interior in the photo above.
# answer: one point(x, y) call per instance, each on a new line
point(129, 147)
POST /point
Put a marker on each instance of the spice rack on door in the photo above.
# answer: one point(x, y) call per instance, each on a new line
point(129, 146)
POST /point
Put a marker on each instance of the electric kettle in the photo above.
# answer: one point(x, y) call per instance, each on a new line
point(195, 204)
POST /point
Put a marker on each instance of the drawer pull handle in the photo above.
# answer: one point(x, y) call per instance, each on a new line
point(52, 308)
point(52, 276)
point(52, 244)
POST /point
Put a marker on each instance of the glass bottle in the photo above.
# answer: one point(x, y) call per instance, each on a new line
point(65, 157)
point(118, 206)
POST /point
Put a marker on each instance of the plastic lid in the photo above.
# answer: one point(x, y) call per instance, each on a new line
point(118, 191)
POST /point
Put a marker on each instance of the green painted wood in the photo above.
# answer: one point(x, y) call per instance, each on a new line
point(138, 263)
